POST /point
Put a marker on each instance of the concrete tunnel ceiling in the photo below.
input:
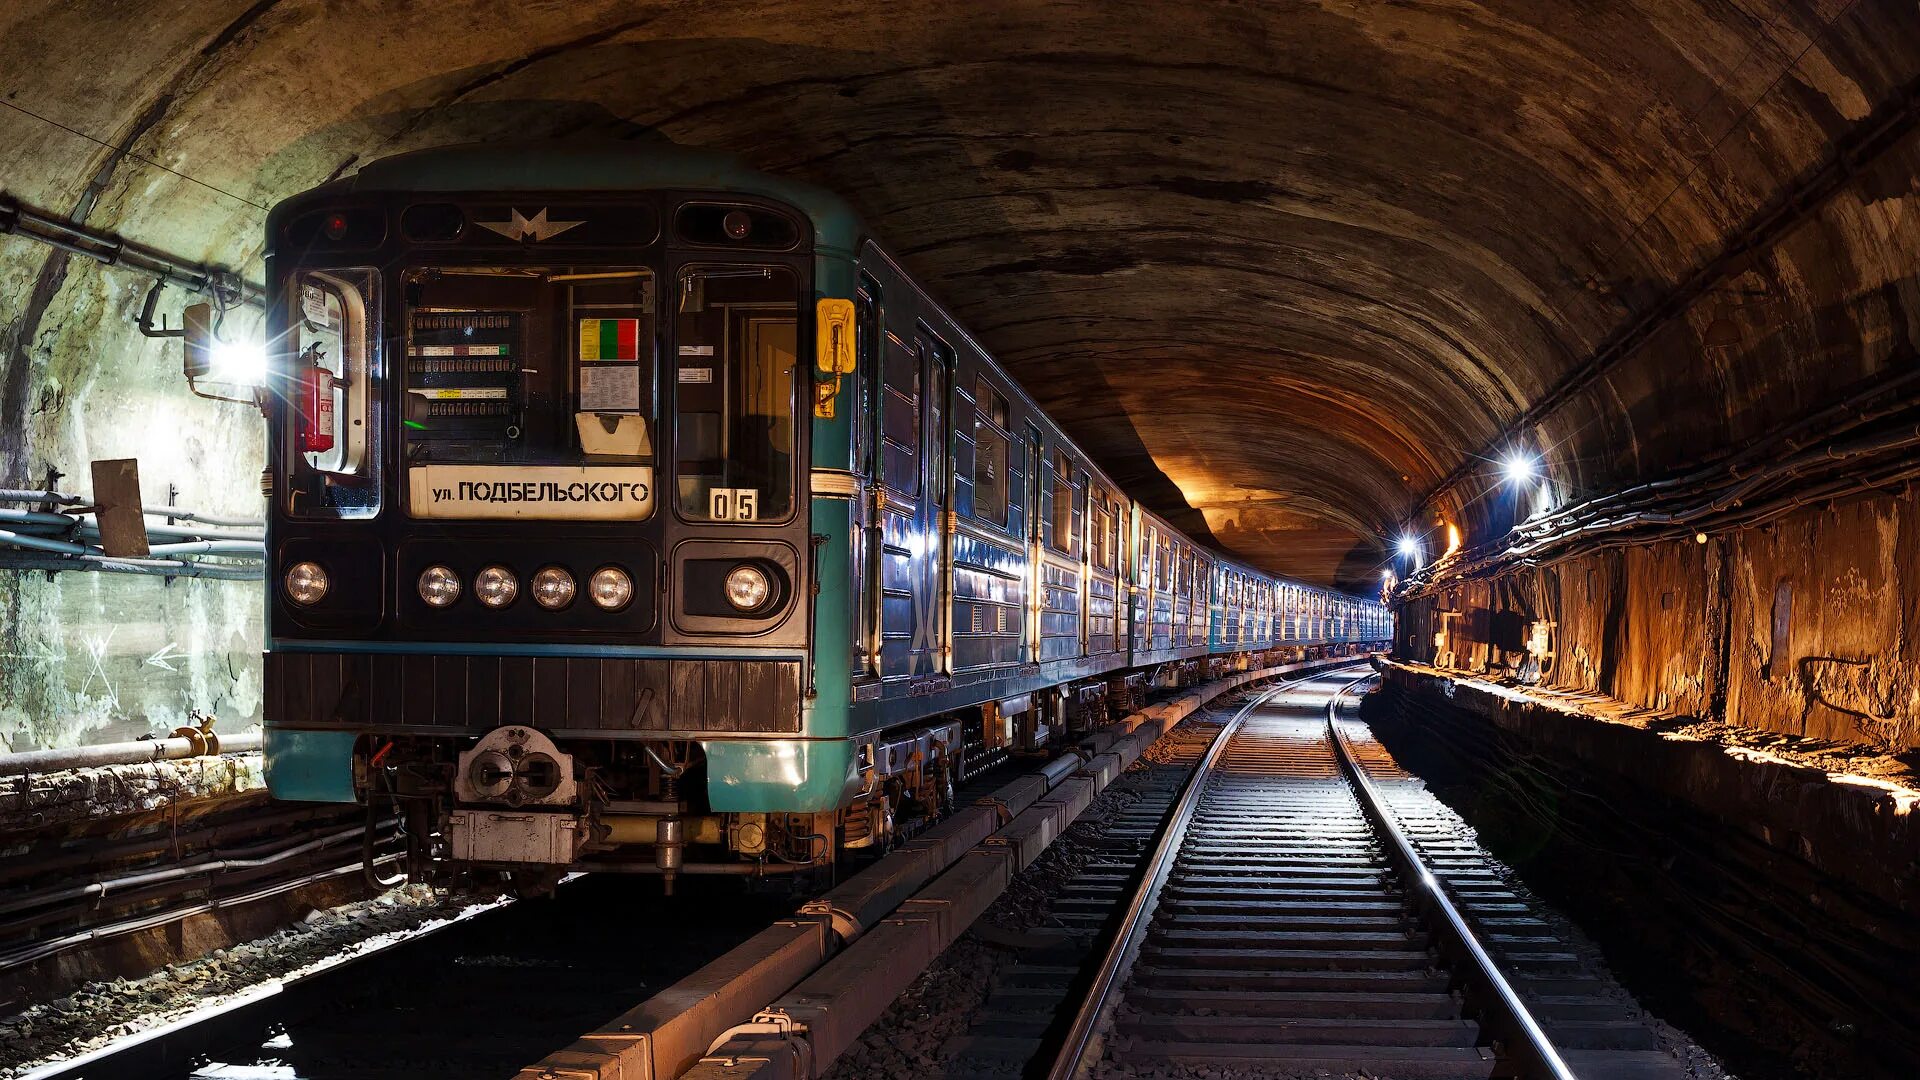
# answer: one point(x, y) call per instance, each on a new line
point(1279, 267)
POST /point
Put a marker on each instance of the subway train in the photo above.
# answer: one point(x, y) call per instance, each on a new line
point(635, 510)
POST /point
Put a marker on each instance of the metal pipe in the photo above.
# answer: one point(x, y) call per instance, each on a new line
point(40, 950)
point(136, 752)
point(102, 888)
point(645, 828)
point(63, 498)
point(209, 547)
point(628, 866)
point(148, 568)
point(72, 526)
point(41, 543)
point(104, 247)
point(671, 772)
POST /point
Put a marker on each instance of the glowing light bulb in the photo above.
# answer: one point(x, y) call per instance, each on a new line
point(241, 363)
point(1408, 546)
point(1519, 468)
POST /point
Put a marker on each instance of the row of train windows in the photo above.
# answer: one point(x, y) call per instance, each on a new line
point(996, 455)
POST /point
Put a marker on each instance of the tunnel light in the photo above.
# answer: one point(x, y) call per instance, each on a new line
point(238, 363)
point(1408, 546)
point(1519, 468)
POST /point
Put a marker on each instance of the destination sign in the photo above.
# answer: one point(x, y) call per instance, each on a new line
point(539, 492)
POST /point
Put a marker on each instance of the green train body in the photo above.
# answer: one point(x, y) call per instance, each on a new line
point(860, 563)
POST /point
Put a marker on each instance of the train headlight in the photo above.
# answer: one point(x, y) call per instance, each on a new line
point(306, 583)
point(747, 587)
point(496, 586)
point(553, 588)
point(439, 586)
point(610, 588)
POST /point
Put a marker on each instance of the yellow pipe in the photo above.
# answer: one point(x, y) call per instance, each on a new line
point(643, 828)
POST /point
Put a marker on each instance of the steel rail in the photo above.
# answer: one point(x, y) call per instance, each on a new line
point(1502, 1014)
point(1080, 1045)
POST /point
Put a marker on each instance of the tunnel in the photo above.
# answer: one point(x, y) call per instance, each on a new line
point(1553, 362)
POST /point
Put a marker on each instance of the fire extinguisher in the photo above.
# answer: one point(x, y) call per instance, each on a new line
point(314, 400)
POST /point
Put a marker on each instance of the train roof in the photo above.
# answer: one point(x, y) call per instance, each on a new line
point(591, 165)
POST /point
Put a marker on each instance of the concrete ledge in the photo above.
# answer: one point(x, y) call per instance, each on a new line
point(76, 798)
point(1860, 830)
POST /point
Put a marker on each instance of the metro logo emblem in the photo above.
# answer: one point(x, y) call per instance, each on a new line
point(533, 229)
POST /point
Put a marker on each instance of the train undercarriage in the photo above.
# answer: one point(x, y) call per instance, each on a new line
point(517, 807)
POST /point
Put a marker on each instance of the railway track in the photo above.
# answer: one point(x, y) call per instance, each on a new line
point(1309, 909)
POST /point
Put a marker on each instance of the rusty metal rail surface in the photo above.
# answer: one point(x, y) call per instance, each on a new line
point(1284, 922)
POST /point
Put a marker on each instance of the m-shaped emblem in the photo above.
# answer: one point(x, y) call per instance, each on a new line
point(535, 228)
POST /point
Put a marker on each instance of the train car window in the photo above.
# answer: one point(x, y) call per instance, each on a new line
point(334, 387)
point(736, 353)
point(900, 418)
point(531, 373)
point(990, 442)
point(1102, 552)
point(1063, 494)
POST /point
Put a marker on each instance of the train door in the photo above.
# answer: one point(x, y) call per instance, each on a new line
point(932, 586)
point(902, 619)
point(1036, 559)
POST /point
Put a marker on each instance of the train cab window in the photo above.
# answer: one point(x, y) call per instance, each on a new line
point(1063, 504)
point(735, 359)
point(991, 418)
point(334, 392)
point(529, 373)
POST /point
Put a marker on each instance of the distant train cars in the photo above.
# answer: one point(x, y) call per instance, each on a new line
point(635, 510)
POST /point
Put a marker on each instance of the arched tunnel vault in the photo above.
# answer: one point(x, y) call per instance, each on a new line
point(1281, 267)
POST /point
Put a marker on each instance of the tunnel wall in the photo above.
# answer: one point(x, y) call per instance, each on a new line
point(1808, 626)
point(96, 657)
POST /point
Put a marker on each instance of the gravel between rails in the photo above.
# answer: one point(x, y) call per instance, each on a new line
point(100, 1012)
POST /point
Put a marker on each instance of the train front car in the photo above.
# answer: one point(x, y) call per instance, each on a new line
point(543, 568)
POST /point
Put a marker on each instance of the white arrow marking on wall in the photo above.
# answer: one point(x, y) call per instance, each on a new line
point(165, 653)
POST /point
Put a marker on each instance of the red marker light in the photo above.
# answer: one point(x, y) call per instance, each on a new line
point(336, 226)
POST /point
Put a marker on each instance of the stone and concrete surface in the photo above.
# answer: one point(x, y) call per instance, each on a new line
point(1749, 884)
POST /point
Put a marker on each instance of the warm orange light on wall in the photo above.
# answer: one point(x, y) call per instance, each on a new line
point(1453, 538)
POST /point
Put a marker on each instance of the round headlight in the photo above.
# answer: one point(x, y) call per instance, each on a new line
point(746, 587)
point(611, 588)
point(496, 586)
point(306, 583)
point(439, 586)
point(553, 588)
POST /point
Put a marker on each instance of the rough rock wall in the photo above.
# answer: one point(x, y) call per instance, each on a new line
point(1808, 626)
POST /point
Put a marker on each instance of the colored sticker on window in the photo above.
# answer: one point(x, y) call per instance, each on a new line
point(609, 339)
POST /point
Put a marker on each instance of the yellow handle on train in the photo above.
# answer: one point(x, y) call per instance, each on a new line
point(833, 350)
